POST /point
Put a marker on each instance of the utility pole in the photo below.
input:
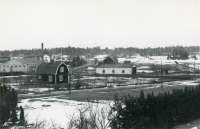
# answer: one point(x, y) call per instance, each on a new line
point(161, 73)
point(70, 73)
point(194, 69)
point(27, 79)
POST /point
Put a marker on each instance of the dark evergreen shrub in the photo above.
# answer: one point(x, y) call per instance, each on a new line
point(78, 85)
point(161, 111)
point(22, 119)
point(56, 87)
point(8, 104)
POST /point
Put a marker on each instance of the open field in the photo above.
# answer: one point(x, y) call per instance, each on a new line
point(102, 91)
point(109, 92)
point(46, 105)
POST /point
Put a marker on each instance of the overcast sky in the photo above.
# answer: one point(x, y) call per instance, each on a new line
point(25, 24)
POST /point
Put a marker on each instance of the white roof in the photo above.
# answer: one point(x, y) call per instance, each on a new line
point(101, 56)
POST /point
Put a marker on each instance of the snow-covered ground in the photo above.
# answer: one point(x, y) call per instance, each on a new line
point(184, 65)
point(158, 59)
point(52, 109)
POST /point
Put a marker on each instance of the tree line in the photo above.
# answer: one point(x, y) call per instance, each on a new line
point(157, 111)
point(130, 51)
point(178, 53)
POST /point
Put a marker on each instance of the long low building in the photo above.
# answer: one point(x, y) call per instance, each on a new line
point(116, 70)
point(19, 65)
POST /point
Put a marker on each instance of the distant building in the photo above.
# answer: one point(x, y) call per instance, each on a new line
point(62, 58)
point(165, 71)
point(4, 59)
point(34, 56)
point(127, 62)
point(103, 59)
point(116, 70)
point(20, 65)
point(53, 72)
point(47, 58)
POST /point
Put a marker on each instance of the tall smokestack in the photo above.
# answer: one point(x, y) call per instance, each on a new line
point(42, 54)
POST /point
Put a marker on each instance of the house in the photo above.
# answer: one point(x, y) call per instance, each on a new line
point(124, 70)
point(34, 56)
point(103, 59)
point(46, 58)
point(53, 72)
point(62, 58)
point(4, 59)
point(20, 66)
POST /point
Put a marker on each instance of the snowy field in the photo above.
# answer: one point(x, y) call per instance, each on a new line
point(54, 110)
point(57, 109)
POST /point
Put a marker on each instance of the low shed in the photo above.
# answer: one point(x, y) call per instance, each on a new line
point(53, 72)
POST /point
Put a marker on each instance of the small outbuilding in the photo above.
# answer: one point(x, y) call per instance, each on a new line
point(165, 71)
point(53, 72)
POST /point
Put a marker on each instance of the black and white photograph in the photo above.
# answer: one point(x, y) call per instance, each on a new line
point(99, 64)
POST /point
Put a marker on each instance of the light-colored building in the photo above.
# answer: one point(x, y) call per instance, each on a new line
point(19, 65)
point(46, 58)
point(116, 69)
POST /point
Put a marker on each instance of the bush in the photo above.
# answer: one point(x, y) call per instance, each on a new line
point(56, 87)
point(162, 111)
point(8, 105)
point(78, 84)
point(90, 117)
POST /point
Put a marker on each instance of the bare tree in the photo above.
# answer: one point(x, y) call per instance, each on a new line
point(90, 117)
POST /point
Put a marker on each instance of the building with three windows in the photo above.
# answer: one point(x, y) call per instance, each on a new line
point(124, 70)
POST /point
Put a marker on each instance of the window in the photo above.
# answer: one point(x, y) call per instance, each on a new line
point(103, 71)
point(50, 78)
point(7, 65)
point(123, 71)
point(113, 71)
point(61, 69)
point(19, 65)
point(61, 78)
point(15, 65)
point(4, 66)
point(24, 65)
point(39, 77)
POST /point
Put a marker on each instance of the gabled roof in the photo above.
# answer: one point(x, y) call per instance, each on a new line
point(100, 57)
point(48, 68)
point(115, 66)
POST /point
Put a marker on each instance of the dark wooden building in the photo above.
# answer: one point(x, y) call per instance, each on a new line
point(103, 59)
point(165, 71)
point(53, 73)
point(107, 60)
point(4, 59)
